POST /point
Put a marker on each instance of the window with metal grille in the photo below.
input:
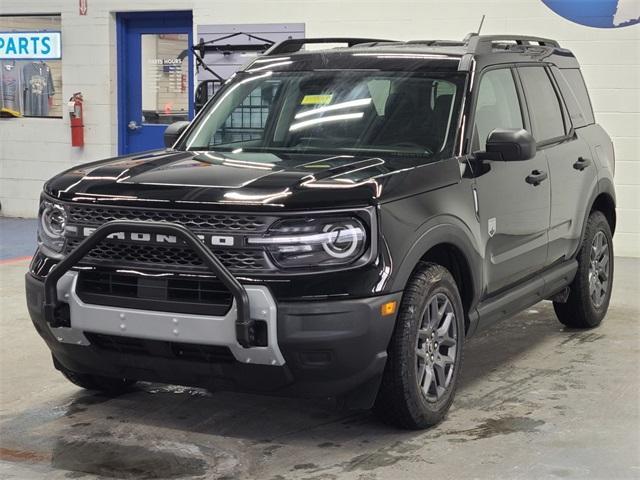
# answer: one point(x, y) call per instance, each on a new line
point(247, 121)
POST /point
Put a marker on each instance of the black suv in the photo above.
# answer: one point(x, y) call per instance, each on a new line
point(335, 223)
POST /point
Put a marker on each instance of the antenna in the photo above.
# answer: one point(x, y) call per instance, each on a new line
point(481, 23)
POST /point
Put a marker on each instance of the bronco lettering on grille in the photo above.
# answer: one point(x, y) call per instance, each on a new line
point(218, 240)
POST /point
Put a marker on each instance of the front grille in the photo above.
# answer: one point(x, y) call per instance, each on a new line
point(189, 295)
point(177, 257)
point(218, 222)
point(158, 348)
point(180, 258)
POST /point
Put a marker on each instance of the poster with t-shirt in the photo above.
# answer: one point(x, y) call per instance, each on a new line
point(10, 86)
point(38, 88)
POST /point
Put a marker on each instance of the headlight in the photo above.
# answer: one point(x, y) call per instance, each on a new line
point(314, 242)
point(51, 226)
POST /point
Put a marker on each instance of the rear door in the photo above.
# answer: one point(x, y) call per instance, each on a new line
point(571, 169)
point(513, 214)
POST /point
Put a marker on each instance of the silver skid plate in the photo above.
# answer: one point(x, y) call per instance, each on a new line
point(173, 327)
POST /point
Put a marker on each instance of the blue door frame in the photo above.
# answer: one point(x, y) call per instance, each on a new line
point(130, 26)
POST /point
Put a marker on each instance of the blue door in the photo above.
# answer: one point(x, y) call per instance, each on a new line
point(155, 77)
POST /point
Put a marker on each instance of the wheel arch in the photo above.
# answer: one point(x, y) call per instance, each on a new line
point(602, 199)
point(605, 203)
point(453, 259)
point(447, 242)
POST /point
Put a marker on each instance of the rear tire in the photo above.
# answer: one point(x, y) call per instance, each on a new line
point(425, 352)
point(107, 385)
point(590, 291)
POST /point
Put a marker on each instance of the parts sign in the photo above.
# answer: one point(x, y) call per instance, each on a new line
point(30, 45)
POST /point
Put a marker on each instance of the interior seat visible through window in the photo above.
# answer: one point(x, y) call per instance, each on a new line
point(408, 114)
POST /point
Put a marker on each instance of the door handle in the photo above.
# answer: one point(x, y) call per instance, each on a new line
point(132, 125)
point(536, 177)
point(582, 163)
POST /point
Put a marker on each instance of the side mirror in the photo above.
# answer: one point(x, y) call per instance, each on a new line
point(173, 131)
point(510, 145)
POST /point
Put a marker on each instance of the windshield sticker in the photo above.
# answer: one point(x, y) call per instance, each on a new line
point(317, 99)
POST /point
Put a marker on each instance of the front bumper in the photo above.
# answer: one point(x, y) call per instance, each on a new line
point(171, 327)
point(321, 348)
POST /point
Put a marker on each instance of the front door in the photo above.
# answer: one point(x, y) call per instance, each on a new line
point(155, 77)
point(513, 213)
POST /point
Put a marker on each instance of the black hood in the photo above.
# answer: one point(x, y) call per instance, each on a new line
point(179, 179)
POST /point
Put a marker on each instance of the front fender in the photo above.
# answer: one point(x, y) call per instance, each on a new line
point(443, 229)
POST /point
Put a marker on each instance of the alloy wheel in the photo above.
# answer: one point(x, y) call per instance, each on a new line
point(436, 347)
point(599, 269)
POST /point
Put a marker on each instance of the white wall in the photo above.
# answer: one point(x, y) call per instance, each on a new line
point(32, 150)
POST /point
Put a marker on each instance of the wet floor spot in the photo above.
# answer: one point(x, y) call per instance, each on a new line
point(328, 445)
point(123, 461)
point(499, 426)
point(582, 338)
point(75, 475)
point(404, 447)
point(268, 451)
point(154, 389)
point(305, 466)
point(81, 404)
point(373, 461)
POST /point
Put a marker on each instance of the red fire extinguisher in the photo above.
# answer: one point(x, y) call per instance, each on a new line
point(76, 120)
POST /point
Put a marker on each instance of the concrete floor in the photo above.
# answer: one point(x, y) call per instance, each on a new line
point(536, 401)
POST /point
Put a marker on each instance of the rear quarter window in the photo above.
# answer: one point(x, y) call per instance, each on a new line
point(543, 103)
point(575, 82)
point(579, 108)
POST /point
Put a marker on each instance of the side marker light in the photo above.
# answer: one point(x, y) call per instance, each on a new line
point(388, 308)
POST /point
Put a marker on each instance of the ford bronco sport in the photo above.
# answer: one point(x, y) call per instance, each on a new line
point(335, 223)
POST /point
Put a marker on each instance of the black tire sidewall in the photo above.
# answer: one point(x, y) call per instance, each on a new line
point(443, 283)
point(597, 223)
point(579, 311)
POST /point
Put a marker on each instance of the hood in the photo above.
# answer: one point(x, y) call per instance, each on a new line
point(250, 180)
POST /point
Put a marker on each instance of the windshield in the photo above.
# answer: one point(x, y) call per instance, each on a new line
point(331, 111)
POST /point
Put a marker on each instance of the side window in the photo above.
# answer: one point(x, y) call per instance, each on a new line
point(578, 118)
point(247, 121)
point(576, 82)
point(497, 106)
point(543, 103)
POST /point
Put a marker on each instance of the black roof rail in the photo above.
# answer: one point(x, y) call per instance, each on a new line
point(293, 45)
point(479, 44)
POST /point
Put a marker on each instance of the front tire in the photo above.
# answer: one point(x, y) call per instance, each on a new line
point(590, 291)
point(425, 352)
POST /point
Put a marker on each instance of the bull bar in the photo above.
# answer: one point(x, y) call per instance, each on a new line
point(244, 325)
